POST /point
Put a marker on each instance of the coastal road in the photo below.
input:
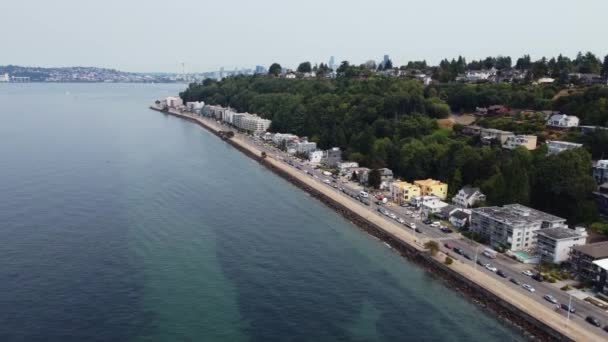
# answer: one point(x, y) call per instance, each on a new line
point(508, 266)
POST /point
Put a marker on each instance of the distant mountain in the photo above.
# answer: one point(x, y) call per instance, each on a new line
point(81, 74)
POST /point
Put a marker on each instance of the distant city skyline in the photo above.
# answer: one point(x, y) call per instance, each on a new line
point(139, 36)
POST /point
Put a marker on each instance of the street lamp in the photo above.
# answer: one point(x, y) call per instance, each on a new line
point(476, 250)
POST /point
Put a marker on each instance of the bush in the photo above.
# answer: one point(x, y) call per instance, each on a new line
point(448, 260)
point(552, 280)
point(432, 246)
point(565, 288)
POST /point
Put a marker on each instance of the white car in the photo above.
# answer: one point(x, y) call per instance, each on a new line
point(491, 268)
point(413, 225)
point(527, 273)
point(401, 221)
point(393, 216)
point(326, 181)
point(528, 287)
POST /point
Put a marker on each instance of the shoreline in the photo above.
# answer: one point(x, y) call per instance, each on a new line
point(535, 321)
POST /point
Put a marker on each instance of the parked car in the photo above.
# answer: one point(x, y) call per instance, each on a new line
point(446, 230)
point(427, 221)
point(527, 273)
point(480, 263)
point(568, 308)
point(417, 230)
point(413, 226)
point(515, 281)
point(501, 273)
point(538, 277)
point(593, 321)
point(401, 221)
point(550, 298)
point(528, 287)
point(458, 250)
point(467, 256)
point(447, 245)
point(491, 268)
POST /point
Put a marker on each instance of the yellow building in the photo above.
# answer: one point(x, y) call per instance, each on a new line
point(403, 192)
point(431, 187)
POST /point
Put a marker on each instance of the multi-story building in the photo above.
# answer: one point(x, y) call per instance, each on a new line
point(403, 192)
point(600, 172)
point(468, 196)
point(252, 123)
point(563, 121)
point(431, 187)
point(315, 157)
point(582, 258)
point(555, 146)
point(555, 244)
point(513, 226)
point(487, 135)
point(601, 200)
point(527, 141)
point(332, 157)
point(600, 272)
point(174, 101)
point(347, 165)
point(305, 146)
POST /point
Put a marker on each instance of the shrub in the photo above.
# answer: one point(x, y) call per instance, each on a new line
point(552, 280)
point(432, 246)
point(448, 260)
point(565, 288)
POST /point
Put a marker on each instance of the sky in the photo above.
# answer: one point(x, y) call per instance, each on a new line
point(157, 35)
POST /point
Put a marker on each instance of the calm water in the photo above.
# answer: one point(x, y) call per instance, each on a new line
point(120, 224)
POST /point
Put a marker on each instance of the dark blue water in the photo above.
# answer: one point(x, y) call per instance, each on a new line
point(120, 224)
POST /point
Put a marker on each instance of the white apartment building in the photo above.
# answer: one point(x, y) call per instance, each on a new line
point(554, 244)
point(514, 226)
point(315, 157)
point(555, 146)
point(527, 141)
point(174, 102)
point(252, 123)
point(305, 146)
point(563, 121)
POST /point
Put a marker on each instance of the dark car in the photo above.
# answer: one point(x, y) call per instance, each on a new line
point(480, 263)
point(501, 273)
point(447, 245)
point(446, 230)
point(418, 230)
point(467, 256)
point(593, 321)
point(427, 221)
point(515, 281)
point(568, 308)
point(538, 277)
point(458, 251)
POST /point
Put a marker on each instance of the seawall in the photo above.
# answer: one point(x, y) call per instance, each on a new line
point(476, 288)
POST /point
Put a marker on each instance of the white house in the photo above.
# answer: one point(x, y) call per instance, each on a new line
point(555, 146)
point(174, 102)
point(554, 244)
point(563, 121)
point(460, 218)
point(514, 141)
point(345, 166)
point(468, 197)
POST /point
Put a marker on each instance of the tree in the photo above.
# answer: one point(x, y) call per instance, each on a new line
point(304, 67)
point(354, 177)
point(374, 179)
point(605, 68)
point(448, 261)
point(275, 69)
point(432, 246)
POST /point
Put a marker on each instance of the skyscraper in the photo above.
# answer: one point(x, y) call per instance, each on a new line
point(332, 63)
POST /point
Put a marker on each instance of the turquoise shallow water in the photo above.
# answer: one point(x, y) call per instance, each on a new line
point(121, 224)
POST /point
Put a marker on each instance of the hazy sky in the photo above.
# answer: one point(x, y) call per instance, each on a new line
point(155, 35)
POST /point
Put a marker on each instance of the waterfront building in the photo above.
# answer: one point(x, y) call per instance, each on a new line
point(315, 157)
point(304, 146)
point(431, 187)
point(527, 141)
point(460, 218)
point(600, 275)
point(555, 146)
point(513, 226)
point(279, 138)
point(5, 78)
point(601, 200)
point(174, 102)
point(600, 172)
point(555, 244)
point(403, 192)
point(347, 165)
point(468, 197)
point(582, 258)
point(332, 157)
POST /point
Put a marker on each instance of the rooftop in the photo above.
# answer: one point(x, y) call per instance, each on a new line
point(518, 213)
point(559, 233)
point(461, 215)
point(602, 263)
point(598, 250)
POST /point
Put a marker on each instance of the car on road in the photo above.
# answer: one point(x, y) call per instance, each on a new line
point(480, 263)
point(447, 245)
point(549, 298)
point(467, 256)
point(538, 277)
point(393, 216)
point(568, 308)
point(515, 281)
point(593, 320)
point(458, 250)
point(491, 268)
point(402, 221)
point(446, 230)
point(528, 287)
point(435, 224)
point(501, 273)
point(417, 230)
point(413, 226)
point(527, 273)
point(427, 221)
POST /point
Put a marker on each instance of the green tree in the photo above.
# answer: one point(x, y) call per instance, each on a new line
point(432, 246)
point(374, 179)
point(605, 67)
point(304, 67)
point(275, 69)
